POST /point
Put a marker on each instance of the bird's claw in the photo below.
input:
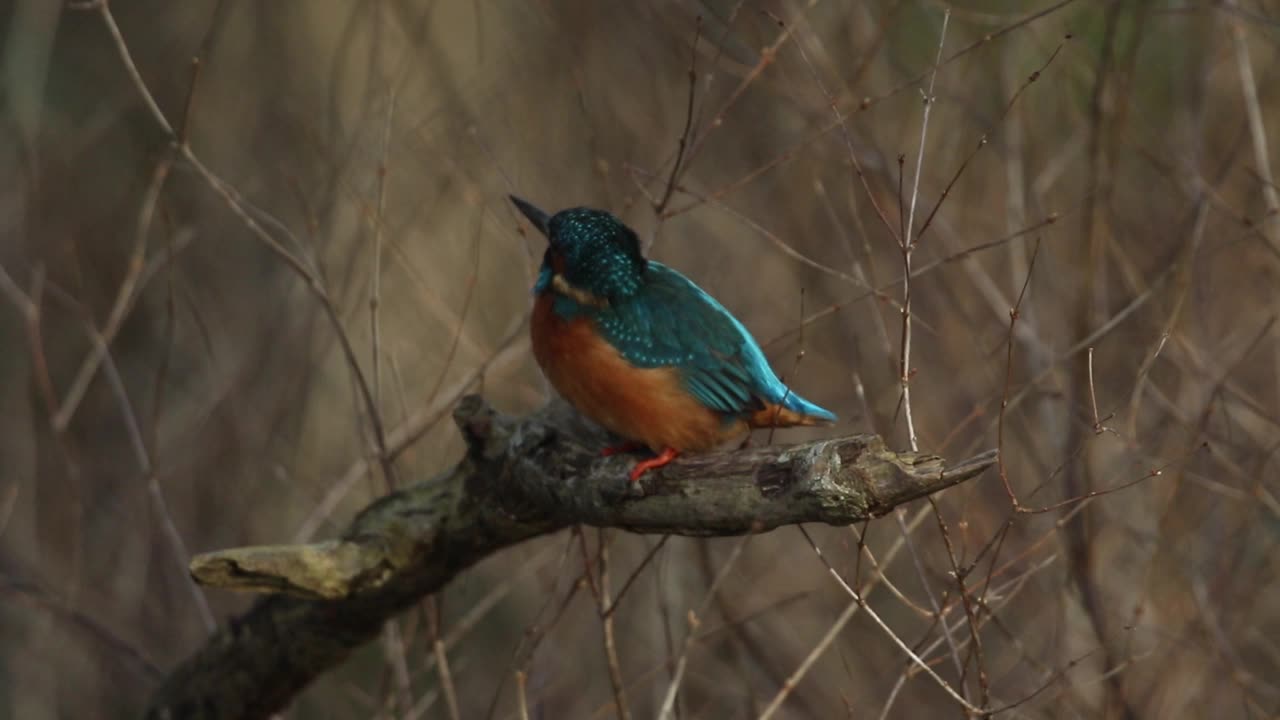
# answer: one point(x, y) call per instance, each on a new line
point(653, 463)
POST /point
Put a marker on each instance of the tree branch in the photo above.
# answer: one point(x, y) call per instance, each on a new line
point(520, 478)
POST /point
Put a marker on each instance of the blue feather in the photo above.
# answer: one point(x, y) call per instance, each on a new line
point(671, 322)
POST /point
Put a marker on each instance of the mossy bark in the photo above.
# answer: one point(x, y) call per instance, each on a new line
point(520, 478)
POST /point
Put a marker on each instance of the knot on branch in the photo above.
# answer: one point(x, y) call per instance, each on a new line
point(475, 419)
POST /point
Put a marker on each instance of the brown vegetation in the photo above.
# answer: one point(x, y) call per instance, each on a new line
point(242, 295)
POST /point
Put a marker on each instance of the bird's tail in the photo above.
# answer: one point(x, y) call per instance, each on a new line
point(793, 410)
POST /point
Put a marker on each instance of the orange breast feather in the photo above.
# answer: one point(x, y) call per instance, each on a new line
point(649, 406)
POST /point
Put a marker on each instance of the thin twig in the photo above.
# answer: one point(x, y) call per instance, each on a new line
point(375, 281)
point(836, 627)
point(859, 603)
point(644, 562)
point(397, 659)
point(522, 696)
point(1098, 427)
point(848, 138)
point(908, 243)
point(1257, 129)
point(440, 652)
point(29, 308)
point(176, 544)
point(862, 104)
point(881, 292)
point(126, 297)
point(962, 589)
point(917, 563)
point(239, 206)
point(534, 631)
point(104, 11)
point(676, 167)
point(787, 248)
point(414, 426)
point(472, 282)
point(694, 620)
point(606, 620)
point(1008, 380)
point(123, 653)
point(982, 141)
point(184, 127)
point(767, 56)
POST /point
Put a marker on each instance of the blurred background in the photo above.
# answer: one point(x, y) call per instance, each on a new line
point(179, 331)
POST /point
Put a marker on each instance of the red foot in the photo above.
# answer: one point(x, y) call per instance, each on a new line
point(625, 447)
point(645, 466)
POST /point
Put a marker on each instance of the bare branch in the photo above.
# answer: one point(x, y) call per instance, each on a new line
point(521, 478)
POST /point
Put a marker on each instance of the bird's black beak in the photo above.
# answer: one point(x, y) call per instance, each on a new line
point(539, 218)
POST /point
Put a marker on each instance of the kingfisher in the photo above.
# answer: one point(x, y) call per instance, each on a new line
point(642, 350)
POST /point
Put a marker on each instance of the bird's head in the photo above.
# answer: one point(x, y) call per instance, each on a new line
point(589, 252)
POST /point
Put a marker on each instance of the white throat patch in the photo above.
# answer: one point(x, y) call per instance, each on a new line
point(578, 295)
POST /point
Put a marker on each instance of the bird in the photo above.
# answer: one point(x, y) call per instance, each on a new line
point(643, 351)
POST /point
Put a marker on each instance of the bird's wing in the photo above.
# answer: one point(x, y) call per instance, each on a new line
point(674, 323)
